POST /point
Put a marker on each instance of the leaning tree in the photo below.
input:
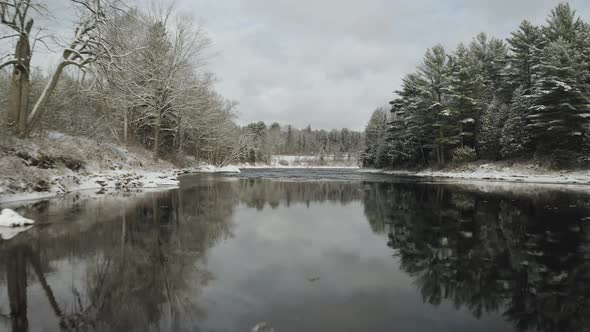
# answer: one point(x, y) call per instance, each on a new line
point(88, 50)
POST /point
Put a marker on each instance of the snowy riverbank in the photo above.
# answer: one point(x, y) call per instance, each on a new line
point(55, 164)
point(294, 161)
point(501, 171)
point(103, 182)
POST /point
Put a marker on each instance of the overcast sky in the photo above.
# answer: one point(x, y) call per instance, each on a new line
point(330, 63)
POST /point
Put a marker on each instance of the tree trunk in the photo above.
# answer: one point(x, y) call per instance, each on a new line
point(42, 101)
point(20, 85)
point(19, 93)
point(177, 139)
point(441, 149)
point(125, 125)
point(24, 104)
point(157, 134)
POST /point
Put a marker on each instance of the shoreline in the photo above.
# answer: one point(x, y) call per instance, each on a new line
point(127, 180)
point(101, 182)
point(110, 181)
point(486, 175)
point(523, 174)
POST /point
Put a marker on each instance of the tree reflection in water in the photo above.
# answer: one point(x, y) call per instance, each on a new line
point(526, 256)
point(143, 257)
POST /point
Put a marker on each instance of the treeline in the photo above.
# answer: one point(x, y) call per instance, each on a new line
point(260, 142)
point(526, 97)
point(136, 76)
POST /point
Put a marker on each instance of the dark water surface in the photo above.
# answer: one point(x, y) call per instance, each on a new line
point(303, 250)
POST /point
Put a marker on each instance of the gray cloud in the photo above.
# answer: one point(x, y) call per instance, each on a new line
point(329, 63)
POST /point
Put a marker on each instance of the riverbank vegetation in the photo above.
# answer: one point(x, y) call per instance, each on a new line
point(526, 97)
point(126, 75)
point(135, 78)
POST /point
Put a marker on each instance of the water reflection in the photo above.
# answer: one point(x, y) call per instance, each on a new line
point(526, 256)
point(141, 258)
point(221, 254)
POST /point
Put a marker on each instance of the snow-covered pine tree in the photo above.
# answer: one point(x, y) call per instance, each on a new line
point(490, 57)
point(516, 138)
point(560, 107)
point(434, 75)
point(490, 129)
point(155, 88)
point(563, 23)
point(525, 46)
point(375, 135)
point(413, 126)
point(461, 94)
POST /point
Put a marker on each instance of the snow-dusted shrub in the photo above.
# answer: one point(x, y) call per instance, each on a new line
point(464, 154)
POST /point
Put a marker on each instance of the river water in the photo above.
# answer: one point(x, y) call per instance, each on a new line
point(302, 250)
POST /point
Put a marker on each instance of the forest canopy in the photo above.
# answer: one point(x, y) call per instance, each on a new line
point(523, 97)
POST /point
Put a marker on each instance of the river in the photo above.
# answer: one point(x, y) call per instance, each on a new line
point(302, 250)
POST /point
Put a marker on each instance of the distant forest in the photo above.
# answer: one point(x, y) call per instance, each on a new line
point(526, 97)
point(262, 141)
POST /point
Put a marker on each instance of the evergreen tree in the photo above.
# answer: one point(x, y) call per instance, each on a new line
point(501, 100)
point(525, 46)
point(411, 128)
point(375, 135)
point(434, 77)
point(560, 106)
point(516, 138)
point(461, 90)
point(563, 23)
point(490, 135)
point(490, 57)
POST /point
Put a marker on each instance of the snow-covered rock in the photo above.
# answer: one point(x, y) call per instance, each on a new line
point(7, 233)
point(167, 182)
point(228, 169)
point(208, 168)
point(224, 169)
point(9, 218)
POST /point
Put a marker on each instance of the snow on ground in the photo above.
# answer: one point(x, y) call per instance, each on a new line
point(114, 180)
point(10, 218)
point(223, 169)
point(523, 172)
point(290, 161)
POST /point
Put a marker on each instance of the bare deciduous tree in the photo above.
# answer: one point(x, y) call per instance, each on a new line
point(16, 15)
point(87, 49)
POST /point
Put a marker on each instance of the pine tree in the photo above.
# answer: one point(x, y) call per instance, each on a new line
point(560, 107)
point(504, 99)
point(461, 93)
point(516, 137)
point(490, 130)
point(375, 135)
point(156, 89)
point(434, 72)
point(525, 46)
point(490, 57)
point(563, 23)
point(411, 130)
point(434, 77)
